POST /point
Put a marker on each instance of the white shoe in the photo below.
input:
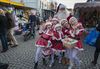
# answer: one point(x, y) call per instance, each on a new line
point(50, 65)
point(59, 61)
point(70, 67)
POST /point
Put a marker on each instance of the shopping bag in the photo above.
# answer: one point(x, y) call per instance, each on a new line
point(91, 37)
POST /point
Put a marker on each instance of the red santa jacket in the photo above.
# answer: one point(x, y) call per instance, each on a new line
point(45, 37)
point(57, 41)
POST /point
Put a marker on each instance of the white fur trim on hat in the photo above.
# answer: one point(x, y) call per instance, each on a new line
point(58, 25)
point(48, 23)
point(63, 20)
point(55, 19)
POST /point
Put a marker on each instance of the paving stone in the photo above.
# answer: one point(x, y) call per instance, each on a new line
point(22, 57)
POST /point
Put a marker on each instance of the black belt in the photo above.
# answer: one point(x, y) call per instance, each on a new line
point(58, 41)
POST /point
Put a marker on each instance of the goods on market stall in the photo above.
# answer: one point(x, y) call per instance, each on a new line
point(69, 43)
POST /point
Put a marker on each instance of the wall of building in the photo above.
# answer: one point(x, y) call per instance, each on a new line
point(31, 3)
point(39, 5)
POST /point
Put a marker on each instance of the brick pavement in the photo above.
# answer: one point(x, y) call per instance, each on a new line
point(22, 57)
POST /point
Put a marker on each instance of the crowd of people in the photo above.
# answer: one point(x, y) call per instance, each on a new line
point(7, 24)
point(53, 34)
point(55, 39)
point(59, 37)
point(10, 26)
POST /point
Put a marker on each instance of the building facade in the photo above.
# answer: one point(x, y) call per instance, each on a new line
point(39, 5)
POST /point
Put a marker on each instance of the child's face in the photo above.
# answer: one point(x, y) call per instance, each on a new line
point(58, 28)
point(73, 22)
point(67, 25)
point(54, 22)
point(48, 26)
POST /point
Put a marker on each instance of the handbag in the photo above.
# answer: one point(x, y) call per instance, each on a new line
point(92, 37)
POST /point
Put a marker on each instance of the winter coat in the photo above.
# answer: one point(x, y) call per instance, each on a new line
point(97, 44)
point(3, 22)
point(10, 20)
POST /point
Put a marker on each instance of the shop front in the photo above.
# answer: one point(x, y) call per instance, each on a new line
point(88, 13)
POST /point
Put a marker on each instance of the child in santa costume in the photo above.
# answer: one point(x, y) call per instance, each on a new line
point(65, 27)
point(54, 22)
point(75, 33)
point(57, 44)
point(43, 42)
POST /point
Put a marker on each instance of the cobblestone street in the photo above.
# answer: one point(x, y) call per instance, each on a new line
point(22, 57)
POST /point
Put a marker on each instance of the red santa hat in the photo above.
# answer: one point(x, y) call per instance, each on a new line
point(69, 17)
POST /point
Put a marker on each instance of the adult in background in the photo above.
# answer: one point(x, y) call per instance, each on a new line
point(61, 13)
point(38, 22)
point(32, 21)
point(11, 28)
point(97, 44)
point(3, 31)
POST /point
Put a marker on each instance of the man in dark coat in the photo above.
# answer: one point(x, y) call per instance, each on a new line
point(3, 31)
point(32, 21)
point(97, 44)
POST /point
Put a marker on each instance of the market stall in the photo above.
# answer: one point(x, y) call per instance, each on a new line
point(88, 13)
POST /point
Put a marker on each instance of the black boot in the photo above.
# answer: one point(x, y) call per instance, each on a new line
point(44, 61)
point(36, 65)
point(3, 66)
point(96, 55)
point(94, 63)
point(4, 50)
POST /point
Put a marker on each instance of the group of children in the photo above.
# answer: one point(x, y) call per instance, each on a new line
point(52, 35)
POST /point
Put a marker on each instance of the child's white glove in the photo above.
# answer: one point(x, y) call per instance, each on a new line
point(49, 44)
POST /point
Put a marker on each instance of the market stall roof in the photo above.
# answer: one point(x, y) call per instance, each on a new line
point(24, 7)
point(5, 1)
point(87, 5)
point(15, 4)
point(9, 2)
